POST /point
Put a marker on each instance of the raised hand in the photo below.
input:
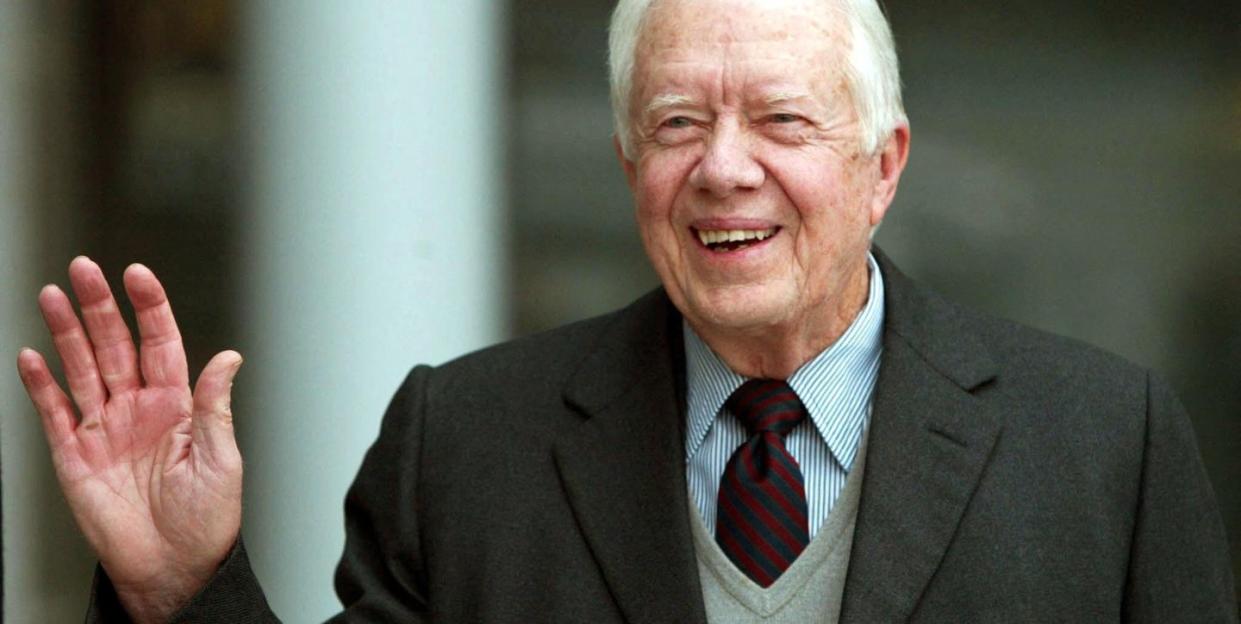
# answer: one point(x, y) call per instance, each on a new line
point(150, 470)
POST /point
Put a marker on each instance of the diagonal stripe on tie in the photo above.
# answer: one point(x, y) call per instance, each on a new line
point(777, 493)
point(743, 519)
point(760, 512)
point(738, 552)
point(761, 519)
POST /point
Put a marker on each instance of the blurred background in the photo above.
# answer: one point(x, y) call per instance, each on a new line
point(341, 191)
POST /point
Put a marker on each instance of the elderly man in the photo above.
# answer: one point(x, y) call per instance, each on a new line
point(789, 430)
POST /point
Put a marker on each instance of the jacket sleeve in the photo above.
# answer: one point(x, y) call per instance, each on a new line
point(1179, 568)
point(232, 596)
point(380, 577)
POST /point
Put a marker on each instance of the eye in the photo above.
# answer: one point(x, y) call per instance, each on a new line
point(677, 122)
point(783, 118)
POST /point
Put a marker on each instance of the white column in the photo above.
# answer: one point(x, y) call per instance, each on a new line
point(47, 566)
point(372, 242)
point(19, 429)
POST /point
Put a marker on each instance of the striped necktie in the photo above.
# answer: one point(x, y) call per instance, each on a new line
point(761, 515)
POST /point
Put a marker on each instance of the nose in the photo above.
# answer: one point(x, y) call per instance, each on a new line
point(727, 166)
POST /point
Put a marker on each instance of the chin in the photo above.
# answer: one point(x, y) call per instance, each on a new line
point(739, 309)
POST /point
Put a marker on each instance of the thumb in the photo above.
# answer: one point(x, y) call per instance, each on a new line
point(213, 415)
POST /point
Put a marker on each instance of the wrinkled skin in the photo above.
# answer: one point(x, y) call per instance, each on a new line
point(742, 120)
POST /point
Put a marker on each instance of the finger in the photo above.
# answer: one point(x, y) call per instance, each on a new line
point(49, 400)
point(162, 354)
point(213, 415)
point(74, 348)
point(114, 347)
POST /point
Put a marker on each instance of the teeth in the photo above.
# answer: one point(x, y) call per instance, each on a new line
point(709, 237)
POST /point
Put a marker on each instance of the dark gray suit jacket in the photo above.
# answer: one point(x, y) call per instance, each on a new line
point(1012, 476)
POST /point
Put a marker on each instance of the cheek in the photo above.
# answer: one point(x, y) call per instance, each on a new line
point(814, 192)
point(832, 205)
point(660, 180)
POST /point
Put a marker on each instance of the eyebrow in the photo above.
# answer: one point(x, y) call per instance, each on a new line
point(664, 100)
point(780, 97)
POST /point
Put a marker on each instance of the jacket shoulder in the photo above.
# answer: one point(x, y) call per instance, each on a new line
point(1032, 366)
point(540, 364)
point(1052, 361)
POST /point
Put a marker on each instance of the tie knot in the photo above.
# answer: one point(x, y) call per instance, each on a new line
point(766, 405)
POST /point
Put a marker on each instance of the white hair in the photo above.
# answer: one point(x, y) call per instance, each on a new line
point(872, 72)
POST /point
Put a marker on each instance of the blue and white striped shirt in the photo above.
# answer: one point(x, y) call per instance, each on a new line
point(836, 387)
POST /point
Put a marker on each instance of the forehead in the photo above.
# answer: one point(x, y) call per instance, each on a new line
point(745, 49)
point(776, 27)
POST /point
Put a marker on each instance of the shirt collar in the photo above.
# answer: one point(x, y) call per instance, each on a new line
point(835, 386)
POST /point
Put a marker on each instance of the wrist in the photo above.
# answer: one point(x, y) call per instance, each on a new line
point(158, 600)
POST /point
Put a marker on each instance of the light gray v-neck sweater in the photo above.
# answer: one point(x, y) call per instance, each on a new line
point(809, 591)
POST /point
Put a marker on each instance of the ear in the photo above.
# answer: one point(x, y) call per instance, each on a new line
point(891, 163)
point(631, 171)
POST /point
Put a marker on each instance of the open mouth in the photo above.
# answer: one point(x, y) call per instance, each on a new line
point(722, 241)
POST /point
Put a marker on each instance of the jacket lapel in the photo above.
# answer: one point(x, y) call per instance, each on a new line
point(623, 467)
point(929, 442)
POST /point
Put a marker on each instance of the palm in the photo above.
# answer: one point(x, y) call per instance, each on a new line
point(139, 470)
point(150, 470)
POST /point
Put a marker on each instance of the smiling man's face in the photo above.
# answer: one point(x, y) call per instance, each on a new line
point(754, 200)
